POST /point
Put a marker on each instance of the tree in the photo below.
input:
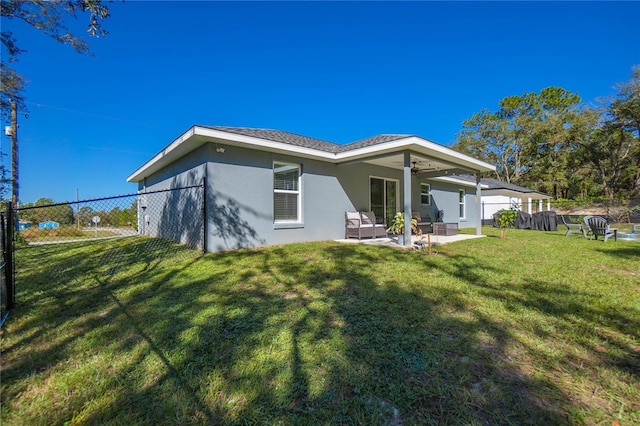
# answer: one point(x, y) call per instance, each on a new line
point(45, 209)
point(5, 182)
point(525, 139)
point(550, 142)
point(549, 118)
point(624, 111)
point(85, 214)
point(485, 136)
point(609, 139)
point(48, 17)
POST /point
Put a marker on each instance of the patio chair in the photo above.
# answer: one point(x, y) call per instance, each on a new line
point(572, 227)
point(600, 227)
point(587, 228)
point(363, 225)
point(425, 227)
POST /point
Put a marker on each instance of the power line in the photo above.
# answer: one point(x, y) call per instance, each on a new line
point(89, 114)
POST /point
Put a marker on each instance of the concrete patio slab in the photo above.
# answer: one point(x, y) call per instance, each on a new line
point(436, 240)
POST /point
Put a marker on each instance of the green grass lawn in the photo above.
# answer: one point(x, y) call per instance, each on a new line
point(66, 233)
point(534, 329)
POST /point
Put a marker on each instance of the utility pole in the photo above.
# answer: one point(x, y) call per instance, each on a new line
point(14, 154)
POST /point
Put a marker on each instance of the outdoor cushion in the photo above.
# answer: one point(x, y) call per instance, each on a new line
point(367, 218)
point(363, 225)
point(353, 219)
point(425, 227)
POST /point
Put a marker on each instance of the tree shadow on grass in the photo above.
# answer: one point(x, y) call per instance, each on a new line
point(303, 334)
point(65, 282)
point(630, 251)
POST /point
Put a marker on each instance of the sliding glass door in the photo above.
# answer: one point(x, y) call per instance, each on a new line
point(384, 198)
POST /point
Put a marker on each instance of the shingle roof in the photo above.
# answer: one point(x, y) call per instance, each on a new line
point(496, 184)
point(279, 136)
point(306, 141)
point(171, 152)
point(375, 140)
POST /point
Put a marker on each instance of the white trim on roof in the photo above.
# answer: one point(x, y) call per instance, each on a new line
point(262, 144)
point(461, 182)
point(518, 194)
point(419, 145)
point(197, 136)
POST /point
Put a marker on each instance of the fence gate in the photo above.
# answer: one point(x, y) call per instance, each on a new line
point(7, 288)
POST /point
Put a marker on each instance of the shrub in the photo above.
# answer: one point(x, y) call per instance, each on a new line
point(506, 219)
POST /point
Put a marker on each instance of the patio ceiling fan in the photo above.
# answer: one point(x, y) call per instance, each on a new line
point(415, 169)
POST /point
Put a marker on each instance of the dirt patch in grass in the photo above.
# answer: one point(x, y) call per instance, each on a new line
point(623, 271)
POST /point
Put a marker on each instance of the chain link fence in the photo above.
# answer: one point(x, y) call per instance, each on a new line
point(625, 210)
point(174, 214)
point(97, 238)
point(616, 211)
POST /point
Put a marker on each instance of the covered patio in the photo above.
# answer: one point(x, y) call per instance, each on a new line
point(419, 157)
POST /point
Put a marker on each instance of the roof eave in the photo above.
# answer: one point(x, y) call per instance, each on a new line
point(418, 145)
point(198, 135)
point(458, 181)
point(513, 193)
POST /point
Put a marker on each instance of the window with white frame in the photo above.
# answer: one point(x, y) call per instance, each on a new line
point(425, 194)
point(461, 198)
point(286, 192)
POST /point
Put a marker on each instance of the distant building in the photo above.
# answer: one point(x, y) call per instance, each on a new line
point(49, 225)
point(498, 195)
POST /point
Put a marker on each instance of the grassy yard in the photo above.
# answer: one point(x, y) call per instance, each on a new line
point(534, 329)
point(65, 233)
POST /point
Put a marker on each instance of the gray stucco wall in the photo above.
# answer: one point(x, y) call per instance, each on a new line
point(239, 198)
point(174, 214)
point(444, 196)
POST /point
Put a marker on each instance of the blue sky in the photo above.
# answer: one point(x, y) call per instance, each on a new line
point(336, 71)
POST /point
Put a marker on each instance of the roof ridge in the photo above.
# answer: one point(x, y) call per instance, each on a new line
point(298, 139)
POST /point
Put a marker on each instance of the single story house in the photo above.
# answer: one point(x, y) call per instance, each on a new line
point(267, 187)
point(498, 195)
